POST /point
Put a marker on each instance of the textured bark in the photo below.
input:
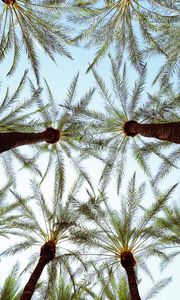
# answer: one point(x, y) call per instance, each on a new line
point(47, 254)
point(165, 131)
point(128, 262)
point(9, 140)
point(9, 2)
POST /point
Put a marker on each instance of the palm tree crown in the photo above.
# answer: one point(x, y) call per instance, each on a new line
point(27, 22)
point(123, 237)
point(129, 24)
point(125, 111)
point(66, 117)
point(47, 227)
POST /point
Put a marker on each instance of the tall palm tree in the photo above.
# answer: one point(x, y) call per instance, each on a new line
point(133, 121)
point(129, 25)
point(47, 227)
point(125, 237)
point(31, 22)
point(19, 125)
point(9, 140)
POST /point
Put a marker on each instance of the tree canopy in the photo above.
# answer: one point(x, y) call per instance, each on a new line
point(89, 185)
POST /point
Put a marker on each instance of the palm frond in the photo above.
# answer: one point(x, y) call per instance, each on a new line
point(34, 19)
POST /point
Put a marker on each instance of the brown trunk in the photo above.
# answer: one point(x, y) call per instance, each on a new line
point(9, 140)
point(9, 2)
point(47, 254)
point(165, 131)
point(128, 262)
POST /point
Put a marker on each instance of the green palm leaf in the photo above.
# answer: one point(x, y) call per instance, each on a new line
point(32, 22)
point(127, 25)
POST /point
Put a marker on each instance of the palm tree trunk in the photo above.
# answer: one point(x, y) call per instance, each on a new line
point(47, 254)
point(165, 131)
point(9, 140)
point(128, 262)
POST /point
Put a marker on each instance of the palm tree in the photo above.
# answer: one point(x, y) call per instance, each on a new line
point(48, 227)
point(67, 118)
point(166, 131)
point(130, 25)
point(124, 238)
point(128, 119)
point(28, 22)
point(9, 140)
point(18, 125)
